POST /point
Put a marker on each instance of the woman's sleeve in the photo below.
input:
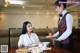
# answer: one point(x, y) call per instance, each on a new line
point(37, 39)
point(20, 41)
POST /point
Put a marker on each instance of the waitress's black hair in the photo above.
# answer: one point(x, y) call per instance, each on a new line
point(24, 29)
point(58, 3)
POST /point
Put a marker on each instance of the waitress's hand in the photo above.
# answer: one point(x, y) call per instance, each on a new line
point(55, 39)
point(51, 38)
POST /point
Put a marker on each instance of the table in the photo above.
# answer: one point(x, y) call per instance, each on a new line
point(54, 49)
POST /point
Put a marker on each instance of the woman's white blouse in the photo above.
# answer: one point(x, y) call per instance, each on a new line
point(26, 40)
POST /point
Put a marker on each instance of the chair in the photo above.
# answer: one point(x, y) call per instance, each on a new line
point(14, 37)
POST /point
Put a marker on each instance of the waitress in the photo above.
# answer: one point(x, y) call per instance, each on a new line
point(65, 24)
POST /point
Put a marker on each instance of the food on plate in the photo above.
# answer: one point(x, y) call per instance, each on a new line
point(22, 50)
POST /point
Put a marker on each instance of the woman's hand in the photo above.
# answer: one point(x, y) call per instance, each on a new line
point(30, 45)
point(21, 46)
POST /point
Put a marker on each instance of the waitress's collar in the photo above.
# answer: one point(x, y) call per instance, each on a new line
point(63, 12)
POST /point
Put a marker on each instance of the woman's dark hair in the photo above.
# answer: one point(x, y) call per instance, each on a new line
point(24, 29)
point(58, 3)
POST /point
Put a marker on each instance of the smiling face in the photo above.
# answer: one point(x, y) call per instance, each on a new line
point(29, 27)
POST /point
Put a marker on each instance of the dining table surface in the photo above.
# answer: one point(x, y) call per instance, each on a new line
point(54, 49)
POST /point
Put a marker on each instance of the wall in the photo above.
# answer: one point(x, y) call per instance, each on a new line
point(75, 19)
point(14, 18)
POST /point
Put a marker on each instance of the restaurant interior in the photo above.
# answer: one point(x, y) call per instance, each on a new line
point(42, 15)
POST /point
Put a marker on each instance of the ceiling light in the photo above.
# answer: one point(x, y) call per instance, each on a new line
point(23, 7)
point(16, 2)
point(47, 13)
point(37, 12)
point(27, 12)
point(40, 8)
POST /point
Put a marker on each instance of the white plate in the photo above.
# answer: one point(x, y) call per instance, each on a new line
point(48, 48)
point(34, 45)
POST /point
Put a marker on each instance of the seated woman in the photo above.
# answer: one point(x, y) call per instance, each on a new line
point(27, 38)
